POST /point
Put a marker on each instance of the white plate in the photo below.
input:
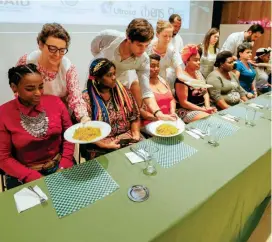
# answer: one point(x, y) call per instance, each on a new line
point(104, 127)
point(179, 124)
point(199, 84)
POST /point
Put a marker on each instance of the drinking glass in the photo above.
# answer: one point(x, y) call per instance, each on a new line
point(213, 131)
point(250, 117)
point(151, 153)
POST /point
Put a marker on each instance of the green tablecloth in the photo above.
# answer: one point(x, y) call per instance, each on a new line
point(207, 197)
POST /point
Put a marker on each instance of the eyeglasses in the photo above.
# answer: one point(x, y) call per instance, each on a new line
point(54, 49)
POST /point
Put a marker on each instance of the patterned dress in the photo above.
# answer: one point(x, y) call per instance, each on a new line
point(195, 96)
point(120, 125)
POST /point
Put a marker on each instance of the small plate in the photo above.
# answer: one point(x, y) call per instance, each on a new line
point(104, 127)
point(138, 193)
point(179, 124)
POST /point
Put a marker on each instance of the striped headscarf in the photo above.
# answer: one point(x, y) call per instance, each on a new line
point(121, 99)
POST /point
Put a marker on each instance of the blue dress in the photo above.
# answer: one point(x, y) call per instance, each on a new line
point(247, 76)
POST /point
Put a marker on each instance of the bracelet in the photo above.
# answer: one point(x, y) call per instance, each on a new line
point(156, 112)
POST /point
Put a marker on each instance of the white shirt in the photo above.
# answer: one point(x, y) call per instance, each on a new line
point(233, 41)
point(106, 45)
point(177, 42)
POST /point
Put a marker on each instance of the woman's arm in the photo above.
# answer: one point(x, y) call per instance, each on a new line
point(207, 100)
point(8, 163)
point(68, 148)
point(253, 88)
point(221, 103)
point(173, 106)
point(75, 101)
point(182, 94)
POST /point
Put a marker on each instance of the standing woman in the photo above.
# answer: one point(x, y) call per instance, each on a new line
point(209, 51)
point(245, 71)
point(58, 73)
point(170, 59)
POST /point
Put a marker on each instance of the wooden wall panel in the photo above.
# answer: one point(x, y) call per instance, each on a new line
point(233, 11)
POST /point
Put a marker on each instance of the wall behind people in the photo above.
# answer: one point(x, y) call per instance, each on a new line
point(17, 39)
point(235, 11)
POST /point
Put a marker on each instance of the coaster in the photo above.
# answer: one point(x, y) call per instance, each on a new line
point(138, 193)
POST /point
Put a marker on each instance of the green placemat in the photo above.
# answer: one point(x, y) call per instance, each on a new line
point(171, 150)
point(79, 186)
point(227, 129)
point(240, 112)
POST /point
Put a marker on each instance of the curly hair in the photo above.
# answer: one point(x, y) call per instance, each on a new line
point(53, 30)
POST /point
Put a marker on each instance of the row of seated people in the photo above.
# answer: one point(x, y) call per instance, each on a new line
point(32, 125)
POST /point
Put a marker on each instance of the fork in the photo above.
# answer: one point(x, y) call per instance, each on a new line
point(42, 200)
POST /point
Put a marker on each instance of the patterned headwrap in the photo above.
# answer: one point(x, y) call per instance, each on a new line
point(120, 96)
point(188, 51)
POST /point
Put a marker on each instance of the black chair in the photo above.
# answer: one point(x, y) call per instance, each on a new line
point(2, 177)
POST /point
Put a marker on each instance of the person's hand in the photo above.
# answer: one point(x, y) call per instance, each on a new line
point(85, 119)
point(252, 62)
point(113, 145)
point(136, 136)
point(174, 115)
point(165, 117)
point(250, 95)
point(209, 110)
point(255, 94)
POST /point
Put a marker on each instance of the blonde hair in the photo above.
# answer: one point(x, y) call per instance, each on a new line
point(162, 25)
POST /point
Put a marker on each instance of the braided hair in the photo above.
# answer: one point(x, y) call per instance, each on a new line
point(15, 74)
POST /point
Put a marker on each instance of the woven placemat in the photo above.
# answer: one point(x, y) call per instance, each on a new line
point(240, 112)
point(79, 186)
point(226, 128)
point(170, 150)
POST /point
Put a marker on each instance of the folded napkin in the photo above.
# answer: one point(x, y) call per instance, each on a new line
point(193, 134)
point(25, 198)
point(134, 158)
point(229, 117)
point(254, 105)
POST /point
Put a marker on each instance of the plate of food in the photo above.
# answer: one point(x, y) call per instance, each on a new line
point(166, 128)
point(198, 84)
point(89, 132)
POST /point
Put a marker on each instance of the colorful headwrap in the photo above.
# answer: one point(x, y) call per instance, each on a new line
point(188, 51)
point(120, 97)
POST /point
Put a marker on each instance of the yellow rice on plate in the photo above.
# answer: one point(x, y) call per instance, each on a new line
point(87, 133)
point(166, 130)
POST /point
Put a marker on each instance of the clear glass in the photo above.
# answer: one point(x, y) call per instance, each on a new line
point(214, 134)
point(151, 153)
point(250, 117)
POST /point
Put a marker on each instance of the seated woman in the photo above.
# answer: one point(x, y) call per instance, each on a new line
point(226, 90)
point(31, 130)
point(245, 71)
point(109, 101)
point(58, 73)
point(192, 103)
point(162, 93)
point(263, 70)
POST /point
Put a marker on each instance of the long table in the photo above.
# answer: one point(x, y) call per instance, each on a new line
point(207, 197)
